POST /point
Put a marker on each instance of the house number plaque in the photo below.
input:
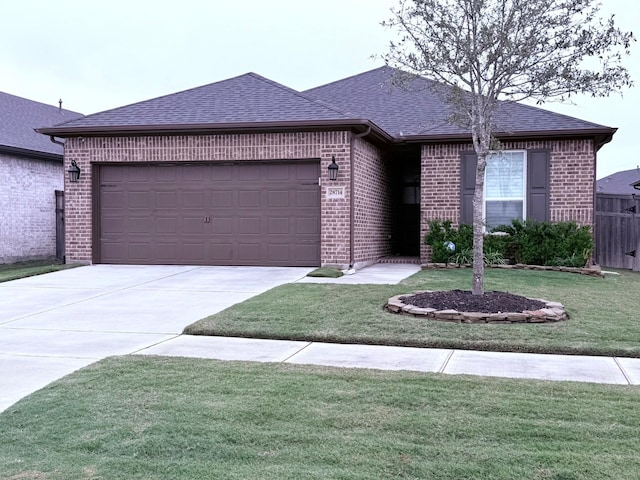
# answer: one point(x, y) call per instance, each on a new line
point(335, 192)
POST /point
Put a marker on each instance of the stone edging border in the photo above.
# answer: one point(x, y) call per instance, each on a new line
point(554, 312)
point(594, 271)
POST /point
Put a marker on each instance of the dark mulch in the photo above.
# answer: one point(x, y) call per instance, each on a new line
point(465, 301)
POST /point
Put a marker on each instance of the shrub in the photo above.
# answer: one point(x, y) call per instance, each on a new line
point(441, 232)
point(546, 243)
point(528, 242)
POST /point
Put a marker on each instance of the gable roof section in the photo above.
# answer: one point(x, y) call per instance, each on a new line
point(248, 101)
point(18, 119)
point(620, 183)
point(418, 112)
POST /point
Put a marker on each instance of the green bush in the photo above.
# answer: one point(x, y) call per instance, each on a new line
point(441, 232)
point(528, 242)
point(546, 243)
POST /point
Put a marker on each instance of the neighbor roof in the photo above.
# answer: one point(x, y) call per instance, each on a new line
point(416, 113)
point(619, 183)
point(18, 119)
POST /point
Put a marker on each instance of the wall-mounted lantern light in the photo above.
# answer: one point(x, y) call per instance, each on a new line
point(333, 169)
point(74, 172)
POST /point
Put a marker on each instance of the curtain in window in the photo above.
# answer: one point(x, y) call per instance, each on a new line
point(504, 188)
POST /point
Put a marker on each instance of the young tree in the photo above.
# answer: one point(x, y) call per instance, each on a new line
point(482, 51)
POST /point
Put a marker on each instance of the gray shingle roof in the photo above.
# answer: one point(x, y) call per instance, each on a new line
point(418, 110)
point(18, 119)
point(619, 183)
point(369, 99)
point(248, 98)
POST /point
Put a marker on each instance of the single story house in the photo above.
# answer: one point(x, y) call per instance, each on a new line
point(31, 170)
point(239, 172)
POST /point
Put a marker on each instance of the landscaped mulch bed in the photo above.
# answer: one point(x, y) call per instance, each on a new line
point(465, 301)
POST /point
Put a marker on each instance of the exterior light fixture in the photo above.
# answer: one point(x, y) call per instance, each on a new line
point(74, 172)
point(333, 169)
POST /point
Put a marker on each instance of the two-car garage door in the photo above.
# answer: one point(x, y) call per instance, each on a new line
point(264, 213)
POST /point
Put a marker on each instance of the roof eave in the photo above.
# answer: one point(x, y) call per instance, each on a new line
point(216, 128)
point(26, 152)
point(600, 135)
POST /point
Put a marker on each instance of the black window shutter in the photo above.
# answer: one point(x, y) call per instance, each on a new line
point(538, 167)
point(469, 161)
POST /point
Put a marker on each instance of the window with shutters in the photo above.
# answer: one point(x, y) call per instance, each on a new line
point(505, 187)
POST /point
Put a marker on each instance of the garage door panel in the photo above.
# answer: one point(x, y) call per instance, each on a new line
point(139, 251)
point(248, 198)
point(166, 252)
point(113, 225)
point(211, 214)
point(139, 225)
point(248, 252)
point(221, 198)
point(193, 226)
point(166, 225)
point(138, 199)
point(221, 252)
point(279, 226)
point(278, 198)
point(307, 226)
point(307, 198)
point(193, 200)
point(222, 226)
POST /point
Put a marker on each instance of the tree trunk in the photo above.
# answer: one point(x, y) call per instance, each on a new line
point(478, 227)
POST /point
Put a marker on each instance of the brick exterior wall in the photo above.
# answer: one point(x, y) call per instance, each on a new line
point(210, 148)
point(28, 207)
point(572, 181)
point(372, 201)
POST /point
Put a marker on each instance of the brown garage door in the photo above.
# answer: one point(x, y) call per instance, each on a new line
point(210, 214)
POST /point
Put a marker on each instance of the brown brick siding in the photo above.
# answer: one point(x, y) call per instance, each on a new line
point(373, 222)
point(294, 146)
point(572, 178)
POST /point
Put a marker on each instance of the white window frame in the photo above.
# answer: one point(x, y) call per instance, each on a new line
point(506, 199)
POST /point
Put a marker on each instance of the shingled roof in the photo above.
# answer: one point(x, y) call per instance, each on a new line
point(18, 119)
point(252, 102)
point(417, 109)
point(620, 183)
point(239, 102)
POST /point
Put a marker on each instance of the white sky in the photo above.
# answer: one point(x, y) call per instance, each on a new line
point(98, 55)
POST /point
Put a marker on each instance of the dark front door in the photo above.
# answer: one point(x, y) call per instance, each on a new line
point(407, 206)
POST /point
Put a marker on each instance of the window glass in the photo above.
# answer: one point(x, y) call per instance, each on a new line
point(504, 188)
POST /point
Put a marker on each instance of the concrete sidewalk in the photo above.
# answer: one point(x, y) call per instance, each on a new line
point(622, 371)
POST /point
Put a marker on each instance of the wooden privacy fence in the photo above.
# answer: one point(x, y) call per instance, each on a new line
point(618, 231)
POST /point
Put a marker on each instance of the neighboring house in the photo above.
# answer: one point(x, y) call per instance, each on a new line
point(620, 183)
point(236, 173)
point(31, 170)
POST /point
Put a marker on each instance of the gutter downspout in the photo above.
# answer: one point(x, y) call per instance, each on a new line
point(352, 200)
point(53, 139)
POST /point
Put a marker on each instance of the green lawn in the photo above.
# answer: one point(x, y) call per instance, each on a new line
point(13, 271)
point(168, 418)
point(604, 314)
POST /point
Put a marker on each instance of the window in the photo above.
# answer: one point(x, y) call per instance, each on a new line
point(505, 188)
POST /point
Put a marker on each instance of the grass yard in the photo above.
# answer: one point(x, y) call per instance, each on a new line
point(604, 314)
point(175, 418)
point(13, 271)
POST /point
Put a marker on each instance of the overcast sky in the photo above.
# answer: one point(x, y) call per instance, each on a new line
point(101, 55)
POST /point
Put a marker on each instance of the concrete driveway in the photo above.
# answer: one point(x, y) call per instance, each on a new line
point(54, 324)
